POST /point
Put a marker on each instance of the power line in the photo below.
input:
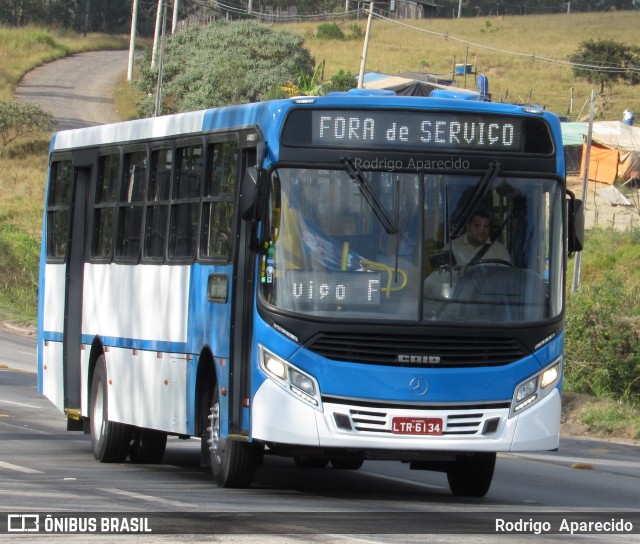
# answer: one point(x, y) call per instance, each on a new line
point(221, 6)
point(532, 56)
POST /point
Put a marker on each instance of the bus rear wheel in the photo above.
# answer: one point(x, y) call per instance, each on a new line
point(471, 475)
point(232, 462)
point(110, 441)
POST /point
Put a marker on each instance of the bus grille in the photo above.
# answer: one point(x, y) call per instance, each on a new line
point(386, 349)
point(454, 424)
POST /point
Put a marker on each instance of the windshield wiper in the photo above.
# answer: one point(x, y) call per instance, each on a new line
point(478, 194)
point(367, 192)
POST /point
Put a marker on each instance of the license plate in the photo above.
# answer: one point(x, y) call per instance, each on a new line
point(416, 425)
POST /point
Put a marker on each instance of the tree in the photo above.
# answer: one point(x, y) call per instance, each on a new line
point(605, 62)
point(18, 120)
point(224, 63)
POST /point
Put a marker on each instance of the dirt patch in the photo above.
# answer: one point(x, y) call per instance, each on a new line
point(22, 330)
point(599, 211)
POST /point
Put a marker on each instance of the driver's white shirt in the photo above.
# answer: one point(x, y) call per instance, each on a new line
point(464, 252)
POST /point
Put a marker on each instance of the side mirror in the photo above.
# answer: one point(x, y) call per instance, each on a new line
point(575, 224)
point(251, 190)
point(248, 190)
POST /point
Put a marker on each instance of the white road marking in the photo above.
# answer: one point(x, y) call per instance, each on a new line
point(149, 498)
point(23, 404)
point(18, 468)
point(405, 481)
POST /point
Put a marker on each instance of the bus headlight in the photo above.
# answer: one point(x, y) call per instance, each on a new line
point(535, 388)
point(300, 384)
point(276, 367)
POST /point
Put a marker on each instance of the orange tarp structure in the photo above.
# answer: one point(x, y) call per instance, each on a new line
point(603, 163)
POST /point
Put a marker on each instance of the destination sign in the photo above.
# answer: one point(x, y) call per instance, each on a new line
point(415, 129)
point(323, 289)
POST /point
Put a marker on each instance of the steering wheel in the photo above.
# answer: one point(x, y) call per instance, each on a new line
point(500, 262)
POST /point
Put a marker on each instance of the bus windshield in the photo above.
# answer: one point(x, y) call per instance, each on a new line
point(395, 246)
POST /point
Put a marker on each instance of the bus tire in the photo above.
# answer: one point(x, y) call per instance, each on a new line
point(232, 462)
point(110, 441)
point(147, 446)
point(471, 475)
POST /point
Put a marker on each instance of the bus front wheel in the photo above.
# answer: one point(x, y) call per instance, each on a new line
point(232, 462)
point(110, 441)
point(471, 475)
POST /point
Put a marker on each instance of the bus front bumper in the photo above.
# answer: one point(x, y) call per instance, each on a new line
point(280, 418)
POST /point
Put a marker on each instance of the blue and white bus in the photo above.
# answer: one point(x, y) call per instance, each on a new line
point(281, 278)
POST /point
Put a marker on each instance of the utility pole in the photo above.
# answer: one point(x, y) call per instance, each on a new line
point(174, 21)
point(250, 6)
point(158, 108)
point(585, 182)
point(156, 36)
point(366, 46)
point(86, 18)
point(459, 9)
point(132, 39)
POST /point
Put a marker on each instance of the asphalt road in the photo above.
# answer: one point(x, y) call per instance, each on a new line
point(45, 469)
point(77, 90)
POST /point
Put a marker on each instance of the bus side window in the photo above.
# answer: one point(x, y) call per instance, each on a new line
point(158, 204)
point(183, 224)
point(217, 205)
point(104, 213)
point(59, 201)
point(134, 175)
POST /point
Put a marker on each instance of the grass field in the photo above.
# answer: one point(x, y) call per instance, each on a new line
point(508, 51)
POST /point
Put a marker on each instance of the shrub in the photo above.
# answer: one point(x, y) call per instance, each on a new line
point(224, 63)
point(17, 120)
point(603, 319)
point(342, 81)
point(329, 31)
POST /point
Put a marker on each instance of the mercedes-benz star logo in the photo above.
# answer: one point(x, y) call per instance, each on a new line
point(418, 386)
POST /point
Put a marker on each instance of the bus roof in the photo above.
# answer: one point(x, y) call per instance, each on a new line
point(267, 115)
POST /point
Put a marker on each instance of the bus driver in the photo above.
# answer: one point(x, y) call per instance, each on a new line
point(475, 244)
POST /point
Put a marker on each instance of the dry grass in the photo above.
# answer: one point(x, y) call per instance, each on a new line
point(395, 48)
point(23, 165)
point(22, 186)
point(588, 416)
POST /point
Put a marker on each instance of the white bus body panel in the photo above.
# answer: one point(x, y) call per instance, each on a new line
point(52, 362)
point(147, 389)
point(54, 290)
point(52, 374)
point(279, 417)
point(113, 307)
